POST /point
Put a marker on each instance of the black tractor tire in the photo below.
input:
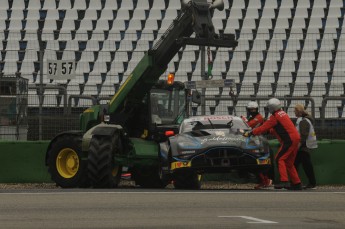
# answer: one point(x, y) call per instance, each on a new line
point(65, 163)
point(103, 172)
point(149, 177)
point(187, 180)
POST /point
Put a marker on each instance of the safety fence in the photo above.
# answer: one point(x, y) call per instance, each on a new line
point(32, 123)
point(282, 64)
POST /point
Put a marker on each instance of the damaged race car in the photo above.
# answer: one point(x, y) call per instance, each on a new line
point(212, 144)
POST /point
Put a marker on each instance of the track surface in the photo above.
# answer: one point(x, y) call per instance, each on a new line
point(169, 208)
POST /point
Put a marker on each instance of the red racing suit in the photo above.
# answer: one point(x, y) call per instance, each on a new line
point(256, 121)
point(289, 138)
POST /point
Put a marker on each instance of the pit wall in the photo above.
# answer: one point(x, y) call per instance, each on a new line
point(23, 162)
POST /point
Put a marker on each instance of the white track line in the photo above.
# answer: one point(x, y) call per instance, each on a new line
point(253, 219)
point(166, 193)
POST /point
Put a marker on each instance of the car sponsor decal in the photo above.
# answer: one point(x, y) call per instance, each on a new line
point(180, 164)
point(187, 152)
point(219, 133)
point(218, 118)
point(206, 118)
point(220, 139)
point(263, 161)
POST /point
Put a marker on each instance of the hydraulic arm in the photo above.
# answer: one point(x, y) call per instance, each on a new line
point(195, 17)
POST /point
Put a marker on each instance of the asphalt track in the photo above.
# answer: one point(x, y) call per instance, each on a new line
point(169, 208)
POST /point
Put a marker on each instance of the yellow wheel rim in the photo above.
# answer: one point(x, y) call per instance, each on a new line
point(199, 177)
point(67, 163)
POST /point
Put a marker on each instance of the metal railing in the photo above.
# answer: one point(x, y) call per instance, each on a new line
point(105, 62)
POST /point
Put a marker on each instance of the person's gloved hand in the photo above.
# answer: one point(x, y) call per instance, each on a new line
point(244, 118)
point(247, 134)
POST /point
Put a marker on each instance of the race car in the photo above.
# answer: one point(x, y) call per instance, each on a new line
point(212, 144)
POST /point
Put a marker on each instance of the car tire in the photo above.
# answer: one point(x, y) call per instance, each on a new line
point(187, 180)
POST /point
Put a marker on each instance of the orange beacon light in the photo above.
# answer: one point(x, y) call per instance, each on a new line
point(171, 78)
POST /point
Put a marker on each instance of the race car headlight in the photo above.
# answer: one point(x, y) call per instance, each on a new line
point(253, 142)
point(253, 145)
point(253, 150)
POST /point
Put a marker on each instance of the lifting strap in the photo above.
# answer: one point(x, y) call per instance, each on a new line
point(210, 64)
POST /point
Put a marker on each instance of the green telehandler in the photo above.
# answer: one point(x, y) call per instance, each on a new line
point(125, 133)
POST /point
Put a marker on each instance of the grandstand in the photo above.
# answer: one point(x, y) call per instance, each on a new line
point(287, 48)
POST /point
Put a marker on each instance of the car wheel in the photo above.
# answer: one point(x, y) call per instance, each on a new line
point(187, 180)
point(149, 178)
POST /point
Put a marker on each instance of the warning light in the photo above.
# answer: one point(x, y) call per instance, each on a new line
point(171, 78)
point(169, 133)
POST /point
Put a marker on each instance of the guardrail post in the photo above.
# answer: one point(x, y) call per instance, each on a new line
point(203, 77)
point(40, 96)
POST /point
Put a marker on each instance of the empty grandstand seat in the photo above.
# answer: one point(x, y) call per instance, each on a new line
point(91, 14)
point(119, 25)
point(331, 24)
point(96, 5)
point(84, 26)
point(303, 4)
point(107, 14)
point(16, 24)
point(34, 5)
point(156, 14)
point(298, 24)
point(231, 26)
point(65, 4)
point(143, 4)
point(52, 14)
point(174, 5)
point(71, 14)
point(134, 26)
point(269, 55)
point(282, 23)
point(235, 13)
point(123, 14)
point(159, 4)
point(334, 12)
point(218, 24)
point(18, 5)
point(49, 5)
point(249, 23)
point(337, 3)
point(101, 26)
point(17, 14)
point(111, 4)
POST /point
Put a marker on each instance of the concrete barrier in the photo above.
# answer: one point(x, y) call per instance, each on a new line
point(328, 160)
point(23, 162)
